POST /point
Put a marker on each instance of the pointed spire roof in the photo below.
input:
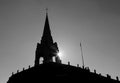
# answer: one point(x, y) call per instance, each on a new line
point(46, 26)
point(47, 38)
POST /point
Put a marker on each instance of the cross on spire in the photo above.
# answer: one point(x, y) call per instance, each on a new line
point(46, 10)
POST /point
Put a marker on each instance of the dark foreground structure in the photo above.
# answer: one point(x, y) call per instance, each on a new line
point(52, 70)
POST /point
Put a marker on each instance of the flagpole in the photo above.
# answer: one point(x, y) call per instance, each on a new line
point(82, 55)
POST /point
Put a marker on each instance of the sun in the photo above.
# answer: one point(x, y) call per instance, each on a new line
point(60, 54)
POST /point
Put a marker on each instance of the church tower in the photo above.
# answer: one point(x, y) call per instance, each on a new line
point(47, 49)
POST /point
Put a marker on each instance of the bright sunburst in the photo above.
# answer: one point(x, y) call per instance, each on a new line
point(60, 54)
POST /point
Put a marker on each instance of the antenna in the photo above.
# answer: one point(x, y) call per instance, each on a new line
point(82, 54)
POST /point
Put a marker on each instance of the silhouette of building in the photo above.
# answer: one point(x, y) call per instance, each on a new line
point(54, 71)
point(47, 49)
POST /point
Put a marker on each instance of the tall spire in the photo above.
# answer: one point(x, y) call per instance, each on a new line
point(47, 49)
point(47, 38)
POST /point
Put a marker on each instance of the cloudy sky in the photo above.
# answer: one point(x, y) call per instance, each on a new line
point(94, 23)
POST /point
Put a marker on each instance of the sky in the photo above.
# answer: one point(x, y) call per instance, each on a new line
point(94, 23)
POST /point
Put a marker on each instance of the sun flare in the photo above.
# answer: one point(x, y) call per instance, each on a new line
point(60, 54)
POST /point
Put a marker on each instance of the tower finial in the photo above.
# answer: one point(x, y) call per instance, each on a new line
point(46, 10)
